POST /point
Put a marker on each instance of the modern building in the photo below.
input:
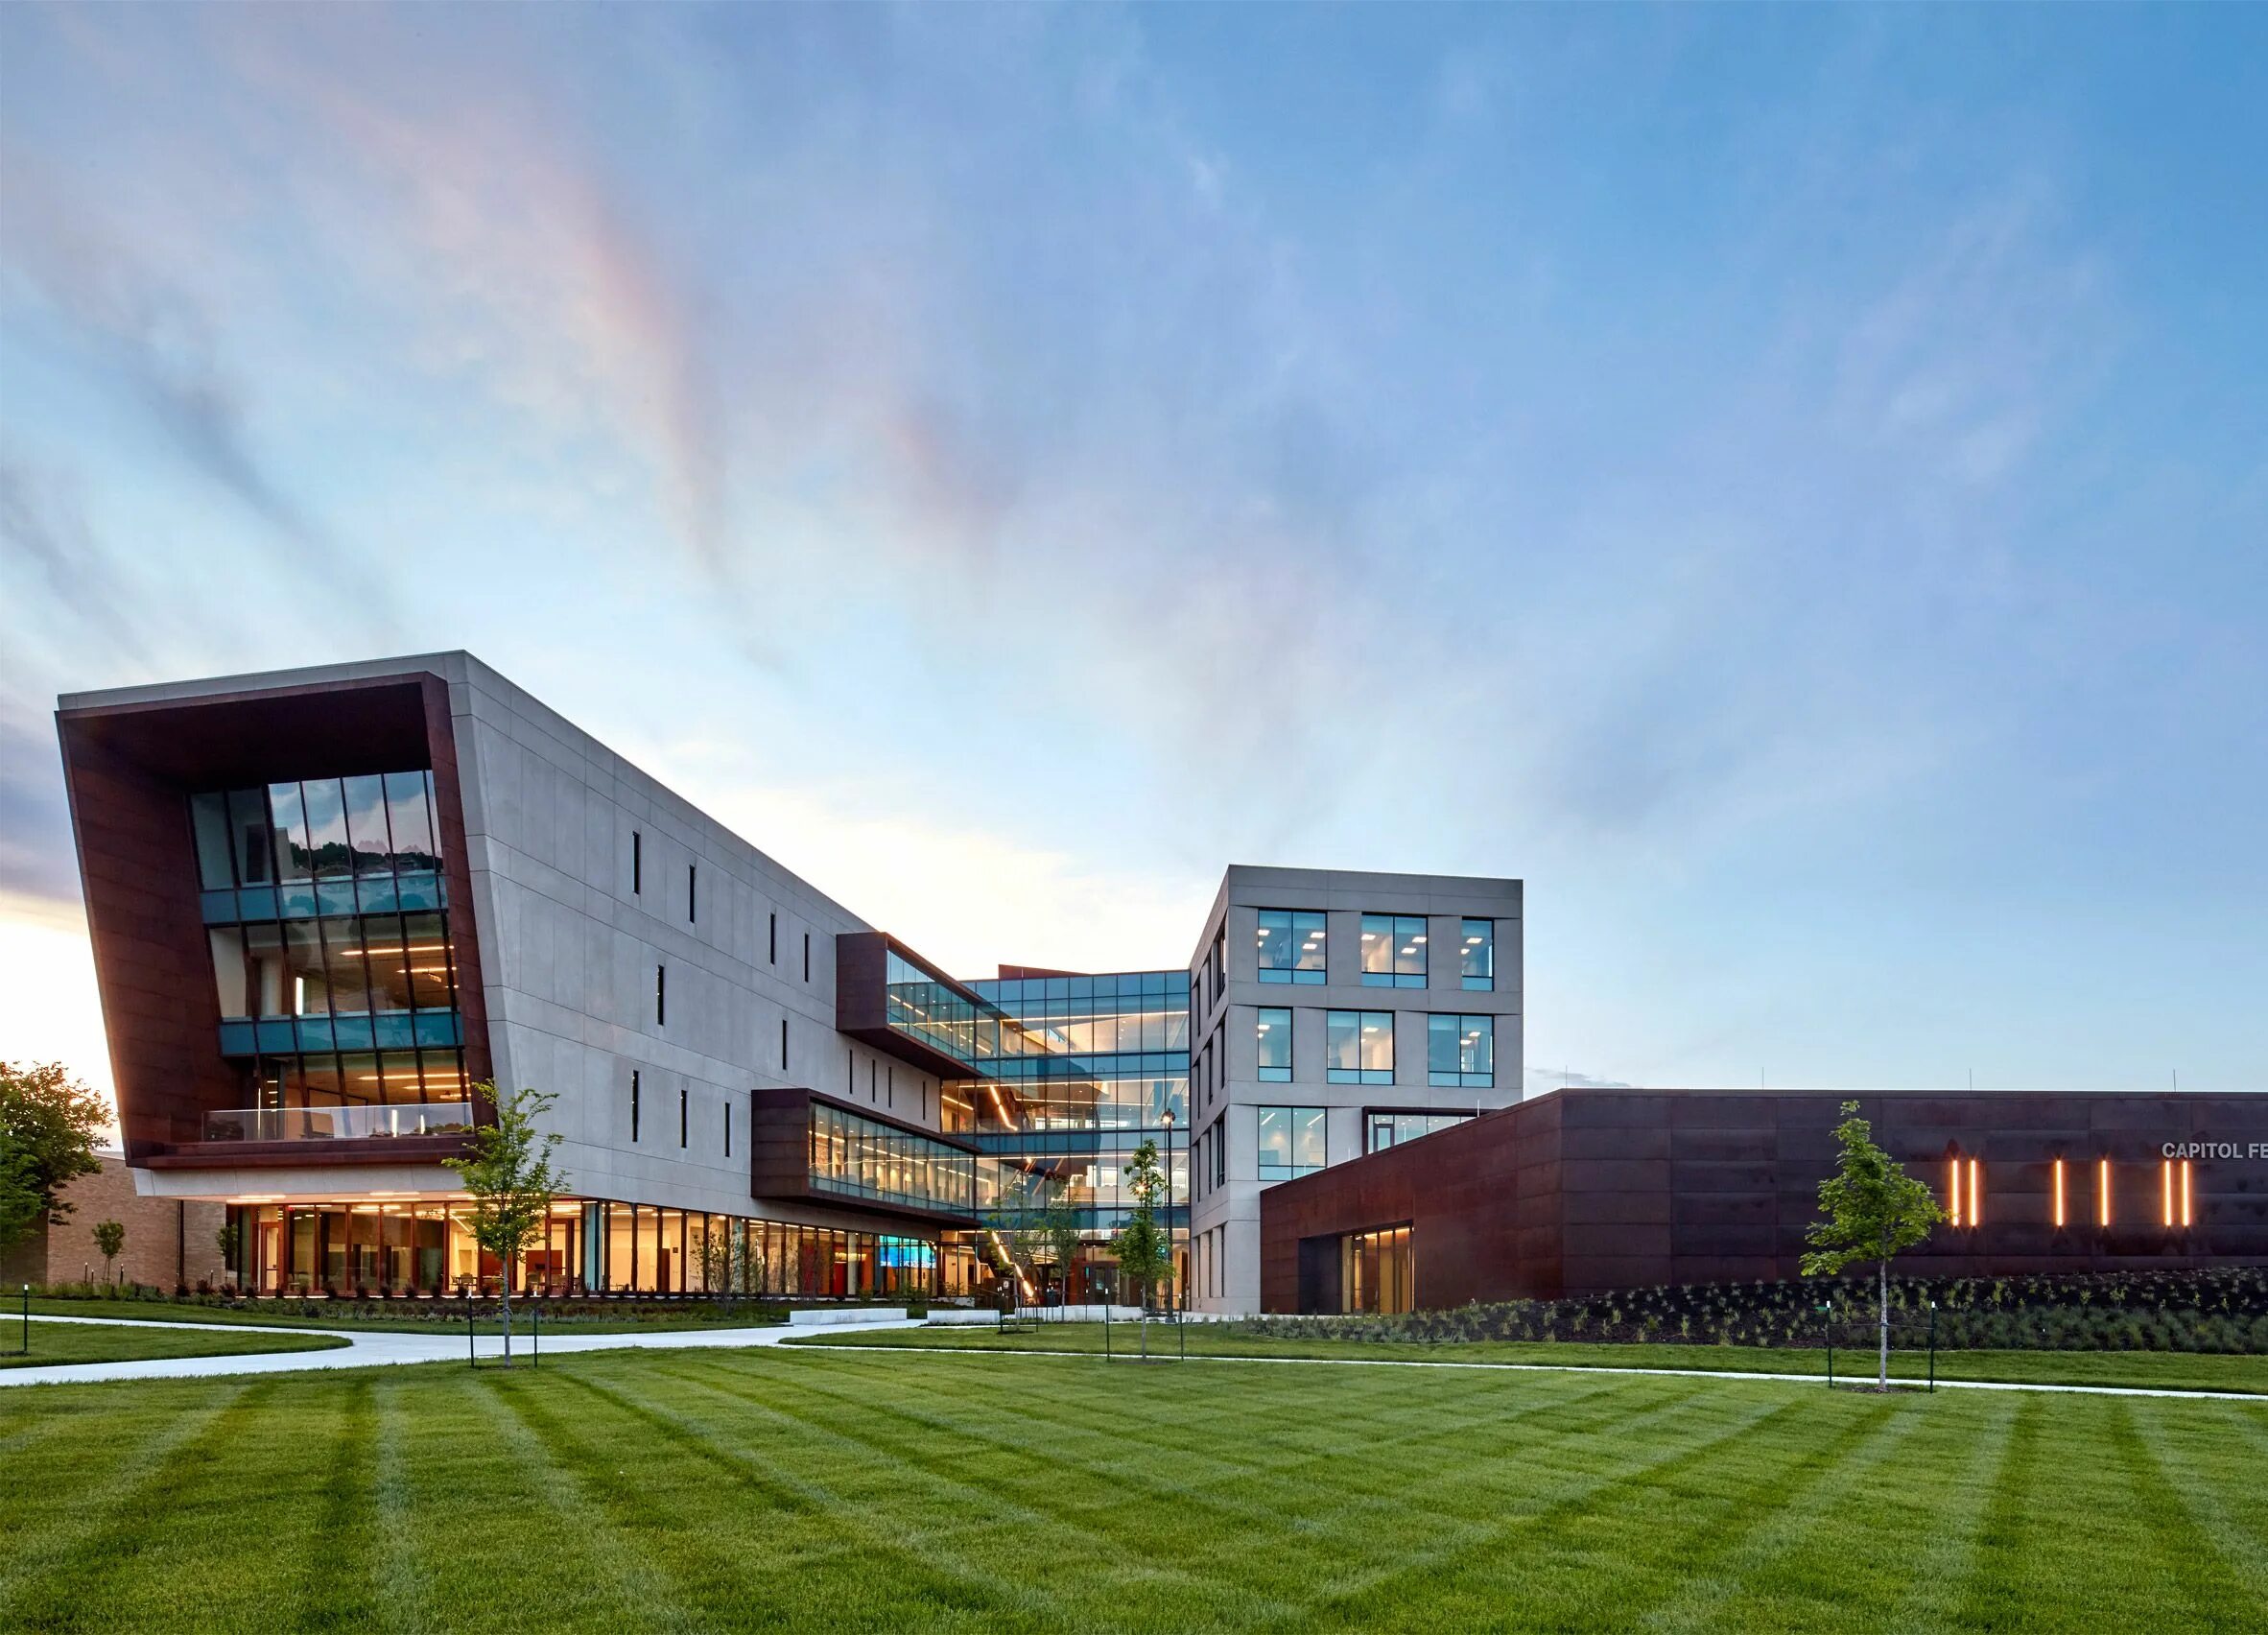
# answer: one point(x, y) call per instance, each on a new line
point(324, 903)
point(1587, 1191)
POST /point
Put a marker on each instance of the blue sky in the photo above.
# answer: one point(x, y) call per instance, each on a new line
point(1791, 484)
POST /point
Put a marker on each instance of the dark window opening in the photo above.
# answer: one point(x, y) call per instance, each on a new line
point(807, 956)
point(774, 918)
point(637, 862)
point(633, 1105)
point(691, 901)
point(661, 995)
point(782, 1044)
point(683, 1100)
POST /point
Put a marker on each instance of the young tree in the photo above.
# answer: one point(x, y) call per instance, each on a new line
point(110, 1238)
point(1141, 1243)
point(1871, 1210)
point(49, 1123)
point(1061, 1229)
point(512, 1185)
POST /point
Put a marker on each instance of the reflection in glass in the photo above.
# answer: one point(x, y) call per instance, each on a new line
point(1479, 940)
point(385, 966)
point(326, 827)
point(292, 859)
point(1273, 1031)
point(1461, 1051)
point(1393, 951)
point(216, 870)
point(365, 824)
point(1290, 946)
point(1292, 1142)
point(247, 825)
point(1359, 1047)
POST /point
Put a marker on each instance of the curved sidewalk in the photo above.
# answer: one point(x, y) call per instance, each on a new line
point(364, 1349)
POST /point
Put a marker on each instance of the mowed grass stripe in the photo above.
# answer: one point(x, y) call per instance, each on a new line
point(1747, 1572)
point(402, 1579)
point(1330, 1524)
point(655, 1467)
point(69, 1574)
point(2212, 1578)
point(581, 1520)
point(1455, 1575)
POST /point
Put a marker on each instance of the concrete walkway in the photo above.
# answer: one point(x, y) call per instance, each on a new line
point(369, 1350)
point(366, 1350)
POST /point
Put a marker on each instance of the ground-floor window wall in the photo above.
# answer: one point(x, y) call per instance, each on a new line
point(589, 1246)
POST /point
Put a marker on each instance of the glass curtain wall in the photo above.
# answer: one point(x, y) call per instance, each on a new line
point(328, 926)
point(1087, 1069)
point(588, 1248)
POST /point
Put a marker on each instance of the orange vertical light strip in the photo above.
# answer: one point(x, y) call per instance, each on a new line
point(2102, 1202)
point(2059, 1195)
point(1975, 1194)
point(2184, 1192)
point(1952, 1189)
point(2166, 1190)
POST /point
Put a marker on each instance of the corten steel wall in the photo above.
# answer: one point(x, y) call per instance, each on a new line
point(130, 770)
point(1580, 1191)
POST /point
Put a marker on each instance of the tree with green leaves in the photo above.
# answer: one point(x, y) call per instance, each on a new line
point(1871, 1209)
point(110, 1238)
point(509, 1176)
point(1143, 1242)
point(49, 1125)
point(1062, 1229)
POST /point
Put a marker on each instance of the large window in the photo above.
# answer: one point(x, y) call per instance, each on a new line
point(1290, 1142)
point(1274, 1037)
point(1393, 951)
point(1461, 1051)
point(1359, 1047)
point(1377, 1272)
point(1382, 1129)
point(1479, 940)
point(1292, 946)
point(864, 1157)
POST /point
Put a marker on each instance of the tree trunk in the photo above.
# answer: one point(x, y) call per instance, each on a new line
point(1882, 1313)
point(508, 1314)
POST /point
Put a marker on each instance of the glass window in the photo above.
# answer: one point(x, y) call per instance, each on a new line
point(1478, 941)
point(1274, 1031)
point(365, 825)
point(308, 990)
point(1393, 951)
point(267, 987)
point(215, 866)
point(1359, 1047)
point(229, 971)
point(247, 825)
point(343, 955)
point(293, 861)
point(1377, 1271)
point(409, 810)
point(1290, 1142)
point(325, 805)
point(1461, 1051)
point(1290, 946)
point(1384, 1129)
point(386, 967)
point(427, 946)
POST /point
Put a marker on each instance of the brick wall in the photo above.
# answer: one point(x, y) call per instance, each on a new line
point(168, 1241)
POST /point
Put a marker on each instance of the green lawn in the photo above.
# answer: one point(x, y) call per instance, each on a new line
point(2170, 1370)
point(54, 1344)
point(847, 1490)
point(401, 1320)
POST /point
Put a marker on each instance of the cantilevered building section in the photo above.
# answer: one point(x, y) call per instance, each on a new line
point(326, 902)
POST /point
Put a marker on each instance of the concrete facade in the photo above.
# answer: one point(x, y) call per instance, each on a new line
point(609, 935)
point(1225, 1089)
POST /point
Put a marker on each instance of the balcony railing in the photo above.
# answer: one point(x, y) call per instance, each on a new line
point(338, 1123)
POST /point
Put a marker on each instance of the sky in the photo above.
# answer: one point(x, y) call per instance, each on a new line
point(1789, 484)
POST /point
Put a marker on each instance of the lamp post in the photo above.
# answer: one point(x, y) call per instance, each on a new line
point(1173, 1266)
